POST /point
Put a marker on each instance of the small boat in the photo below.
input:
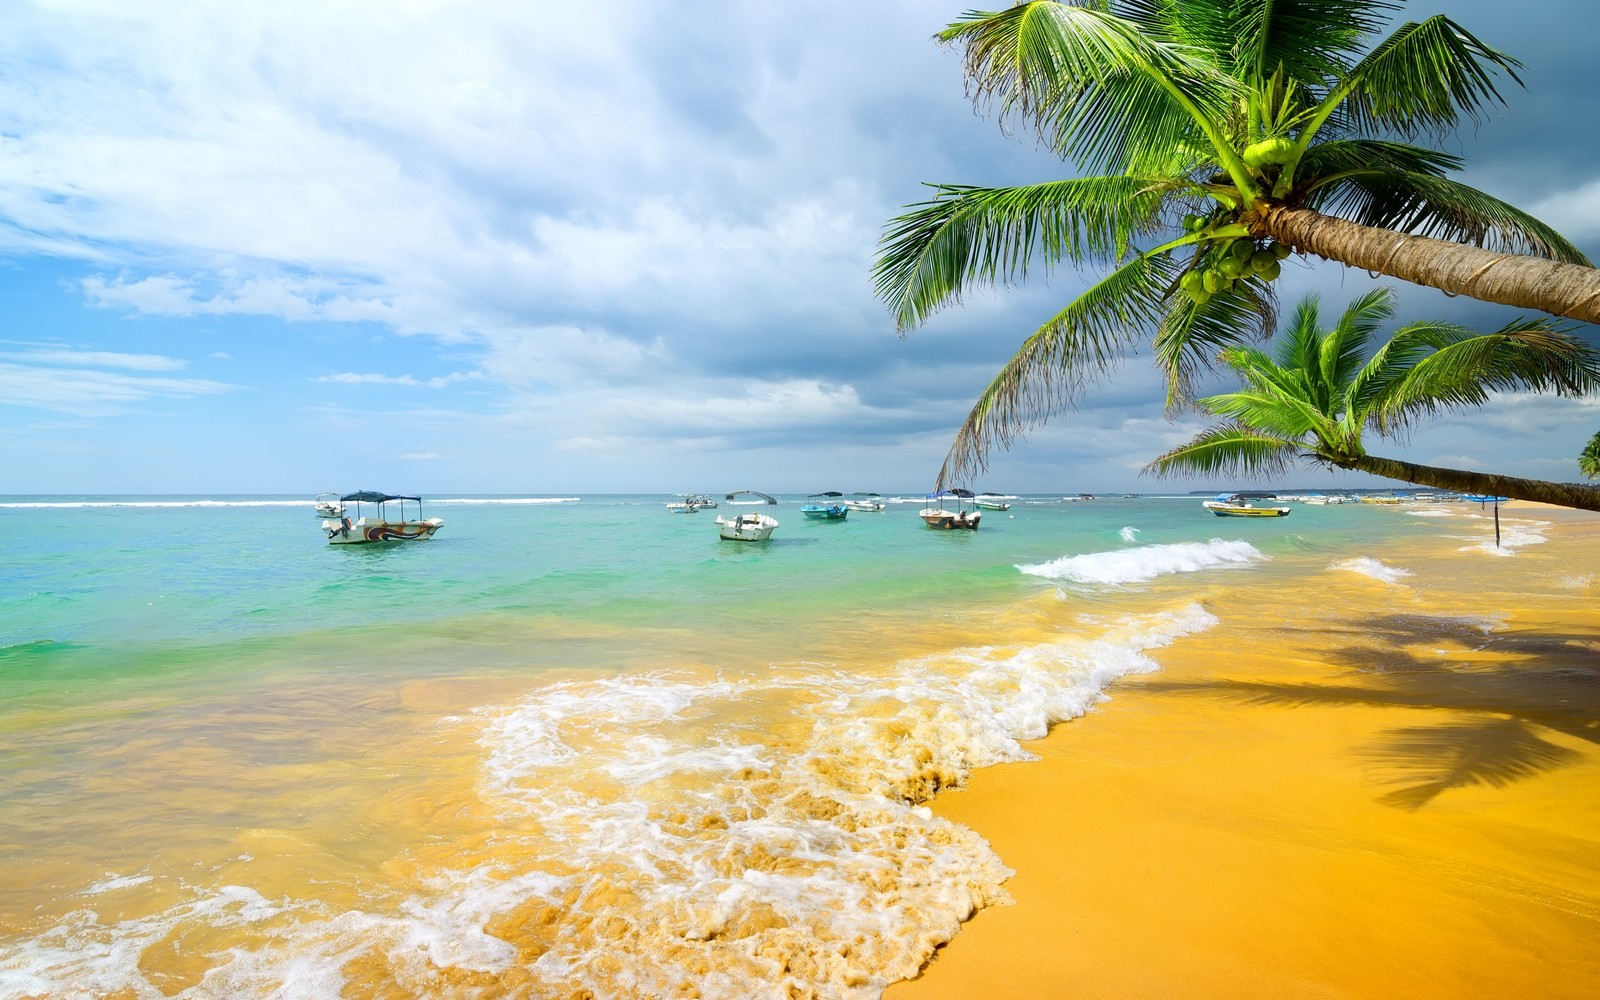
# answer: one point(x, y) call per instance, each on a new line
point(328, 505)
point(1483, 498)
point(1239, 505)
point(868, 502)
point(991, 501)
point(941, 519)
point(690, 503)
point(825, 511)
point(746, 527)
point(731, 499)
point(379, 528)
point(1380, 499)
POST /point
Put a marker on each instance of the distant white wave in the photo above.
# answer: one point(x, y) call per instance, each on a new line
point(1146, 563)
point(1367, 566)
point(19, 504)
point(516, 500)
point(1431, 513)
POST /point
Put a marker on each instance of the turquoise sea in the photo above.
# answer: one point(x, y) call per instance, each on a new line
point(572, 743)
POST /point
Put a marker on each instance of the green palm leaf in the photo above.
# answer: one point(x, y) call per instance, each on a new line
point(967, 235)
point(1228, 451)
point(1423, 78)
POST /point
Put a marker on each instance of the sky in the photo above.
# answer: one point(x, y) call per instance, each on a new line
point(554, 249)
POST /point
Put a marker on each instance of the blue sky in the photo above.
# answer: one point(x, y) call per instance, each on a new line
point(575, 248)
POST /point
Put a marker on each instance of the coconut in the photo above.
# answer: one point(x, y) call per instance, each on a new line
point(1271, 271)
point(1243, 249)
point(1280, 250)
point(1213, 281)
point(1194, 223)
point(1231, 267)
point(1190, 281)
point(1260, 259)
point(1276, 150)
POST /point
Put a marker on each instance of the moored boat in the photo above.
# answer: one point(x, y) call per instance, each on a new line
point(328, 505)
point(942, 519)
point(869, 502)
point(1239, 505)
point(746, 527)
point(835, 510)
point(378, 527)
point(991, 501)
point(690, 503)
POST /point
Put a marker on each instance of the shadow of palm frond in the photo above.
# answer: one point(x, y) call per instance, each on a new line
point(1430, 760)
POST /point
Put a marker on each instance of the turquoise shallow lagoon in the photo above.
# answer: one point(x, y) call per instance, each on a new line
point(235, 759)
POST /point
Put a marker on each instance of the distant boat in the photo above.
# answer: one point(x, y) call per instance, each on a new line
point(328, 505)
point(378, 528)
point(746, 527)
point(991, 501)
point(868, 502)
point(942, 519)
point(1239, 505)
point(690, 503)
point(1380, 499)
point(731, 499)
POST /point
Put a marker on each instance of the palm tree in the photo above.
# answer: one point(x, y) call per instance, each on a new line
point(1222, 136)
point(1313, 401)
point(1589, 459)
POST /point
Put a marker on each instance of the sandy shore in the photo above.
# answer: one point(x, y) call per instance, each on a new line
point(1388, 789)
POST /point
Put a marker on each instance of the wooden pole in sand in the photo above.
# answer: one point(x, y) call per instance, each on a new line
point(1497, 522)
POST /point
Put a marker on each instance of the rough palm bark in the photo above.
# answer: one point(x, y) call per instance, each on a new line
point(1487, 484)
point(1570, 290)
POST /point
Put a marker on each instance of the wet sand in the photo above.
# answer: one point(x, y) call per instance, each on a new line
point(1391, 788)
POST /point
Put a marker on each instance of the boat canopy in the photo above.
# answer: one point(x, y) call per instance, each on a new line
point(962, 494)
point(371, 496)
point(753, 493)
point(1253, 495)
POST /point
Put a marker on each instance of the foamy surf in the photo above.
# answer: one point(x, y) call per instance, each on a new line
point(1146, 563)
point(669, 834)
point(1367, 566)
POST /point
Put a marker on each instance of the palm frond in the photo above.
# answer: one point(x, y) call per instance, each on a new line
point(1271, 411)
point(1344, 350)
point(1227, 451)
point(1190, 334)
point(1313, 40)
point(1092, 84)
point(1462, 369)
point(971, 235)
point(1333, 157)
point(1429, 205)
point(1423, 78)
point(1078, 344)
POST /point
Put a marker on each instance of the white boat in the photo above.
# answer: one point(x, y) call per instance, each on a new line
point(328, 505)
point(733, 499)
point(991, 501)
point(746, 527)
point(943, 519)
point(869, 502)
point(378, 527)
point(690, 503)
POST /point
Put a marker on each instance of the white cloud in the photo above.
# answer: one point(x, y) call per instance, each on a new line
point(85, 392)
point(372, 378)
point(99, 359)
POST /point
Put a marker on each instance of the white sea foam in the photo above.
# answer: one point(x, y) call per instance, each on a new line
point(764, 837)
point(1129, 534)
point(1431, 512)
point(1515, 533)
point(512, 500)
point(1146, 563)
point(1367, 566)
point(115, 882)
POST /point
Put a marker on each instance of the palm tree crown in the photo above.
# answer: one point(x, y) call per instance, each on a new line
point(1315, 398)
point(1221, 137)
point(1589, 458)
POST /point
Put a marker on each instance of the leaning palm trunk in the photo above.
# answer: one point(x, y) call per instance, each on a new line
point(1571, 290)
point(1486, 484)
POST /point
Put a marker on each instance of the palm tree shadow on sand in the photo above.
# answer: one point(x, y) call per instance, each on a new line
point(1552, 688)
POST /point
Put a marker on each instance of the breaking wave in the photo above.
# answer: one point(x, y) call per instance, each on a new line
point(1146, 563)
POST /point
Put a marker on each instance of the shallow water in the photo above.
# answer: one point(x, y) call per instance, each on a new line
point(571, 743)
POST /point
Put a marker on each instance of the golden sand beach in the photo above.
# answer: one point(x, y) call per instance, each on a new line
point(1389, 789)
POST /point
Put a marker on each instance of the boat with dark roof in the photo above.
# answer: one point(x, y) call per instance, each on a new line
point(367, 528)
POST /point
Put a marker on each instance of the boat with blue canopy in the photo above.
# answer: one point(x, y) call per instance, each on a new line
point(376, 527)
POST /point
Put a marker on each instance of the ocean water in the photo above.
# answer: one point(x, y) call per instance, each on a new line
point(570, 744)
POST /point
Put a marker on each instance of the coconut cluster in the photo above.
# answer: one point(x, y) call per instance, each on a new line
point(1222, 263)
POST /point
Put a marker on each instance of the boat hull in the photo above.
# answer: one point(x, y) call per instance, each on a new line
point(992, 504)
point(1229, 510)
point(831, 512)
point(746, 527)
point(372, 530)
point(951, 520)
